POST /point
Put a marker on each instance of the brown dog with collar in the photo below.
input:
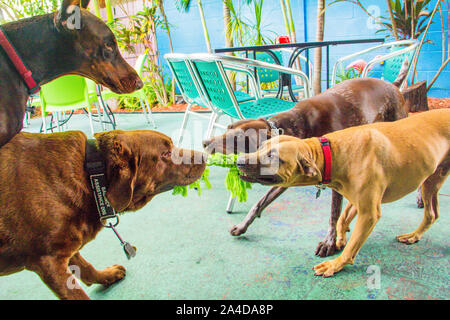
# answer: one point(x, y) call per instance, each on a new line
point(371, 164)
point(349, 103)
point(47, 207)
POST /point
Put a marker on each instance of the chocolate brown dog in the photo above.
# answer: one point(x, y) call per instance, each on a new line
point(370, 165)
point(58, 44)
point(47, 208)
point(350, 103)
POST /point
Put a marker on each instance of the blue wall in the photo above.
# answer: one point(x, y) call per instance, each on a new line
point(343, 21)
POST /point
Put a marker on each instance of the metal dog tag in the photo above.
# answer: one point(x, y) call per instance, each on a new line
point(318, 192)
point(319, 187)
point(130, 251)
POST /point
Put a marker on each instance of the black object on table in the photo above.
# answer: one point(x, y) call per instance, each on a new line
point(299, 47)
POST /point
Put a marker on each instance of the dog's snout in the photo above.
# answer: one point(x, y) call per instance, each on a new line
point(139, 84)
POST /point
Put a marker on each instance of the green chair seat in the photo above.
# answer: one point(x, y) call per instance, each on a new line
point(242, 96)
point(265, 107)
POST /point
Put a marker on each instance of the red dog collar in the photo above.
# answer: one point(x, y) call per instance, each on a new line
point(326, 178)
point(24, 72)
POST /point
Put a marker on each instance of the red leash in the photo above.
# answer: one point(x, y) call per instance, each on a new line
point(23, 71)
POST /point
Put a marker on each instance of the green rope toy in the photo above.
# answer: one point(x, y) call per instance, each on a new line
point(183, 190)
point(233, 183)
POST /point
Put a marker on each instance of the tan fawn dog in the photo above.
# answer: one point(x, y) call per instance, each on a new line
point(370, 165)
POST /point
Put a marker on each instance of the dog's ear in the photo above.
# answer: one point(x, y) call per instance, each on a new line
point(122, 168)
point(308, 166)
point(69, 15)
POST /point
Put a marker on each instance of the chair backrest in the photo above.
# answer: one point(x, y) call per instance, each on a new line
point(393, 65)
point(216, 85)
point(65, 91)
point(185, 78)
point(267, 75)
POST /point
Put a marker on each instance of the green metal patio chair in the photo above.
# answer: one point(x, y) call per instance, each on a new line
point(210, 70)
point(66, 93)
point(139, 94)
point(192, 91)
point(267, 76)
point(398, 51)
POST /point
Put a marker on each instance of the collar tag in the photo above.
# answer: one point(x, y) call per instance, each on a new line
point(320, 187)
point(130, 251)
point(98, 184)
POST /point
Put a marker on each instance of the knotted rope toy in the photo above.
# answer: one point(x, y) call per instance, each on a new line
point(233, 183)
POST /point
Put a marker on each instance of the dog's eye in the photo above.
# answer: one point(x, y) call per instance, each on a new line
point(272, 154)
point(166, 155)
point(108, 53)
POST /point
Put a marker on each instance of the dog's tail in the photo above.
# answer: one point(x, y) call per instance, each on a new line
point(404, 70)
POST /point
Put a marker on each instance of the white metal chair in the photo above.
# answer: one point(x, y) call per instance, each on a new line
point(392, 54)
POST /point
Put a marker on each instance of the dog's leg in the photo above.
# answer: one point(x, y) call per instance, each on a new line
point(368, 216)
point(419, 198)
point(89, 275)
point(327, 247)
point(256, 210)
point(430, 189)
point(343, 224)
point(11, 116)
point(55, 273)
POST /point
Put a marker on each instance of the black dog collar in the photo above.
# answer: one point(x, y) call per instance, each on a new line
point(275, 130)
point(95, 167)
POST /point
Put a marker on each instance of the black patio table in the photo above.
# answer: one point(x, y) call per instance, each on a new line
point(298, 47)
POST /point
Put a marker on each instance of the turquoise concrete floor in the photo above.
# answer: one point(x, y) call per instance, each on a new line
point(186, 252)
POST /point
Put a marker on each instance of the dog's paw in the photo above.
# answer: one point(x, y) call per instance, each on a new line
point(112, 274)
point(237, 230)
point(328, 268)
point(408, 238)
point(326, 248)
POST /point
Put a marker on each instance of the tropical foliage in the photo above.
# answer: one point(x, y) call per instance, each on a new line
point(18, 9)
point(140, 29)
point(248, 31)
point(407, 18)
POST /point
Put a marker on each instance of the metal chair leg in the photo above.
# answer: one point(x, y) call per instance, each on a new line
point(183, 125)
point(149, 110)
point(100, 115)
point(212, 121)
point(230, 205)
point(90, 121)
point(58, 122)
point(141, 102)
point(44, 125)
